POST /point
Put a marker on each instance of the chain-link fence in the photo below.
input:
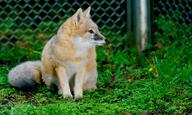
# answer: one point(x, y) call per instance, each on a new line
point(30, 20)
point(34, 19)
point(173, 21)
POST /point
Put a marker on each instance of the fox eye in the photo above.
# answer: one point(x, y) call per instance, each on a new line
point(91, 31)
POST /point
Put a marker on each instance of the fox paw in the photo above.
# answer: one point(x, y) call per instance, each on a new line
point(79, 96)
point(90, 88)
point(67, 96)
point(59, 92)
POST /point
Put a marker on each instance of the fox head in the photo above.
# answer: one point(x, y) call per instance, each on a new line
point(82, 29)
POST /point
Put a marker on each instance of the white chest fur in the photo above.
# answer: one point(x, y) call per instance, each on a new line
point(82, 46)
point(73, 67)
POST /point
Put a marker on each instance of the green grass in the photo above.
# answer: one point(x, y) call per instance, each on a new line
point(160, 81)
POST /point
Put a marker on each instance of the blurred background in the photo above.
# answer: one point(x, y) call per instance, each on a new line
point(28, 23)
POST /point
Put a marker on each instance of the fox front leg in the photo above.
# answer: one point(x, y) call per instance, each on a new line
point(79, 80)
point(63, 82)
point(90, 80)
point(91, 76)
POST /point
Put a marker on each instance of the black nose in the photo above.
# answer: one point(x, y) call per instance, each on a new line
point(96, 37)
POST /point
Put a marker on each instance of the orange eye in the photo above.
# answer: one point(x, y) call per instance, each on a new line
point(91, 31)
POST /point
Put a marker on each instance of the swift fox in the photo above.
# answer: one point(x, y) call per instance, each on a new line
point(69, 57)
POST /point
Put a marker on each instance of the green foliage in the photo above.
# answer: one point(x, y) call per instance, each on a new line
point(48, 25)
point(172, 33)
point(8, 23)
point(117, 40)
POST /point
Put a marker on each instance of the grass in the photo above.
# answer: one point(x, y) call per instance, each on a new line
point(158, 81)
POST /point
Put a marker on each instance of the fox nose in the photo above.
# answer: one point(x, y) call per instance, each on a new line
point(99, 39)
point(96, 38)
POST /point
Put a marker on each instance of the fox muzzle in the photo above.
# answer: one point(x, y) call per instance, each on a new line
point(99, 39)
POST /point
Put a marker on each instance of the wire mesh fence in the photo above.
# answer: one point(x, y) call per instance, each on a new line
point(29, 21)
point(173, 21)
point(22, 20)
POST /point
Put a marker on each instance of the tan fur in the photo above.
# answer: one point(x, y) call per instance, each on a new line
point(37, 76)
point(71, 52)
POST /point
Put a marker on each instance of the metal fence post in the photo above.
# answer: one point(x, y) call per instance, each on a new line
point(141, 23)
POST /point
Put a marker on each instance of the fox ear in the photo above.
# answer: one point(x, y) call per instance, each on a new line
point(77, 16)
point(86, 13)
